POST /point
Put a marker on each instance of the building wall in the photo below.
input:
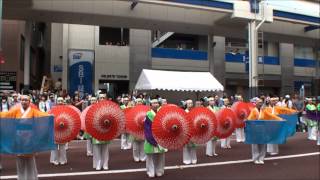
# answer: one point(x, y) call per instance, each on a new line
point(10, 43)
point(128, 61)
point(180, 64)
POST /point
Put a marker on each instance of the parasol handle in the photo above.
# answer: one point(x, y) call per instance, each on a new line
point(226, 124)
point(174, 127)
point(61, 125)
point(242, 115)
point(107, 122)
point(203, 126)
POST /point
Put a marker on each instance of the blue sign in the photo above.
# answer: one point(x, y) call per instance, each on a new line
point(26, 136)
point(80, 71)
point(265, 132)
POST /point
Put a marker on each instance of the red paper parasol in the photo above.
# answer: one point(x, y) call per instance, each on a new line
point(204, 124)
point(83, 118)
point(135, 120)
point(242, 111)
point(67, 123)
point(171, 128)
point(105, 120)
point(226, 122)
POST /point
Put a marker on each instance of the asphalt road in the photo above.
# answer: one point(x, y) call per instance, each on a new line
point(298, 159)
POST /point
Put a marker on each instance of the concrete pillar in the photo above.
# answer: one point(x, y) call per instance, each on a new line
point(286, 55)
point(316, 81)
point(216, 57)
point(65, 47)
point(253, 63)
point(26, 69)
point(140, 54)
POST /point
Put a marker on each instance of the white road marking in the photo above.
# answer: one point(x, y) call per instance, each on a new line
point(168, 167)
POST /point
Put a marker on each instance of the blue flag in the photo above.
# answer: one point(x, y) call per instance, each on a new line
point(265, 132)
point(291, 122)
point(26, 135)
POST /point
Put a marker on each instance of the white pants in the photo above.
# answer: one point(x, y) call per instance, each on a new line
point(258, 152)
point(100, 156)
point(125, 141)
point(189, 154)
point(312, 133)
point(273, 149)
point(89, 147)
point(211, 148)
point(240, 136)
point(155, 164)
point(225, 143)
point(27, 168)
point(138, 151)
point(59, 156)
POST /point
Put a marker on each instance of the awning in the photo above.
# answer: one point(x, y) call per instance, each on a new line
point(177, 81)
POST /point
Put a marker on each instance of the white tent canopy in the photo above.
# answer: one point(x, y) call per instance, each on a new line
point(177, 81)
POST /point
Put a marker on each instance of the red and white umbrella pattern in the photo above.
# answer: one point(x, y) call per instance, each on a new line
point(135, 120)
point(204, 124)
point(172, 128)
point(242, 111)
point(226, 123)
point(67, 123)
point(105, 120)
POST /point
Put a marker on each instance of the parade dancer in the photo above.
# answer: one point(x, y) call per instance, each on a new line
point(258, 150)
point(240, 136)
point(137, 145)
point(125, 137)
point(59, 155)
point(87, 136)
point(26, 163)
point(225, 143)
point(272, 149)
point(155, 153)
point(211, 145)
point(312, 124)
point(100, 149)
point(189, 150)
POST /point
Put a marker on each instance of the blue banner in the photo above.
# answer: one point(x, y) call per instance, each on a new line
point(291, 122)
point(265, 132)
point(80, 71)
point(26, 135)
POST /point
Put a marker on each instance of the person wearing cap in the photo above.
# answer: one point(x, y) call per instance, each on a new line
point(155, 153)
point(100, 148)
point(189, 154)
point(126, 139)
point(258, 150)
point(211, 145)
point(312, 125)
point(59, 155)
point(26, 163)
